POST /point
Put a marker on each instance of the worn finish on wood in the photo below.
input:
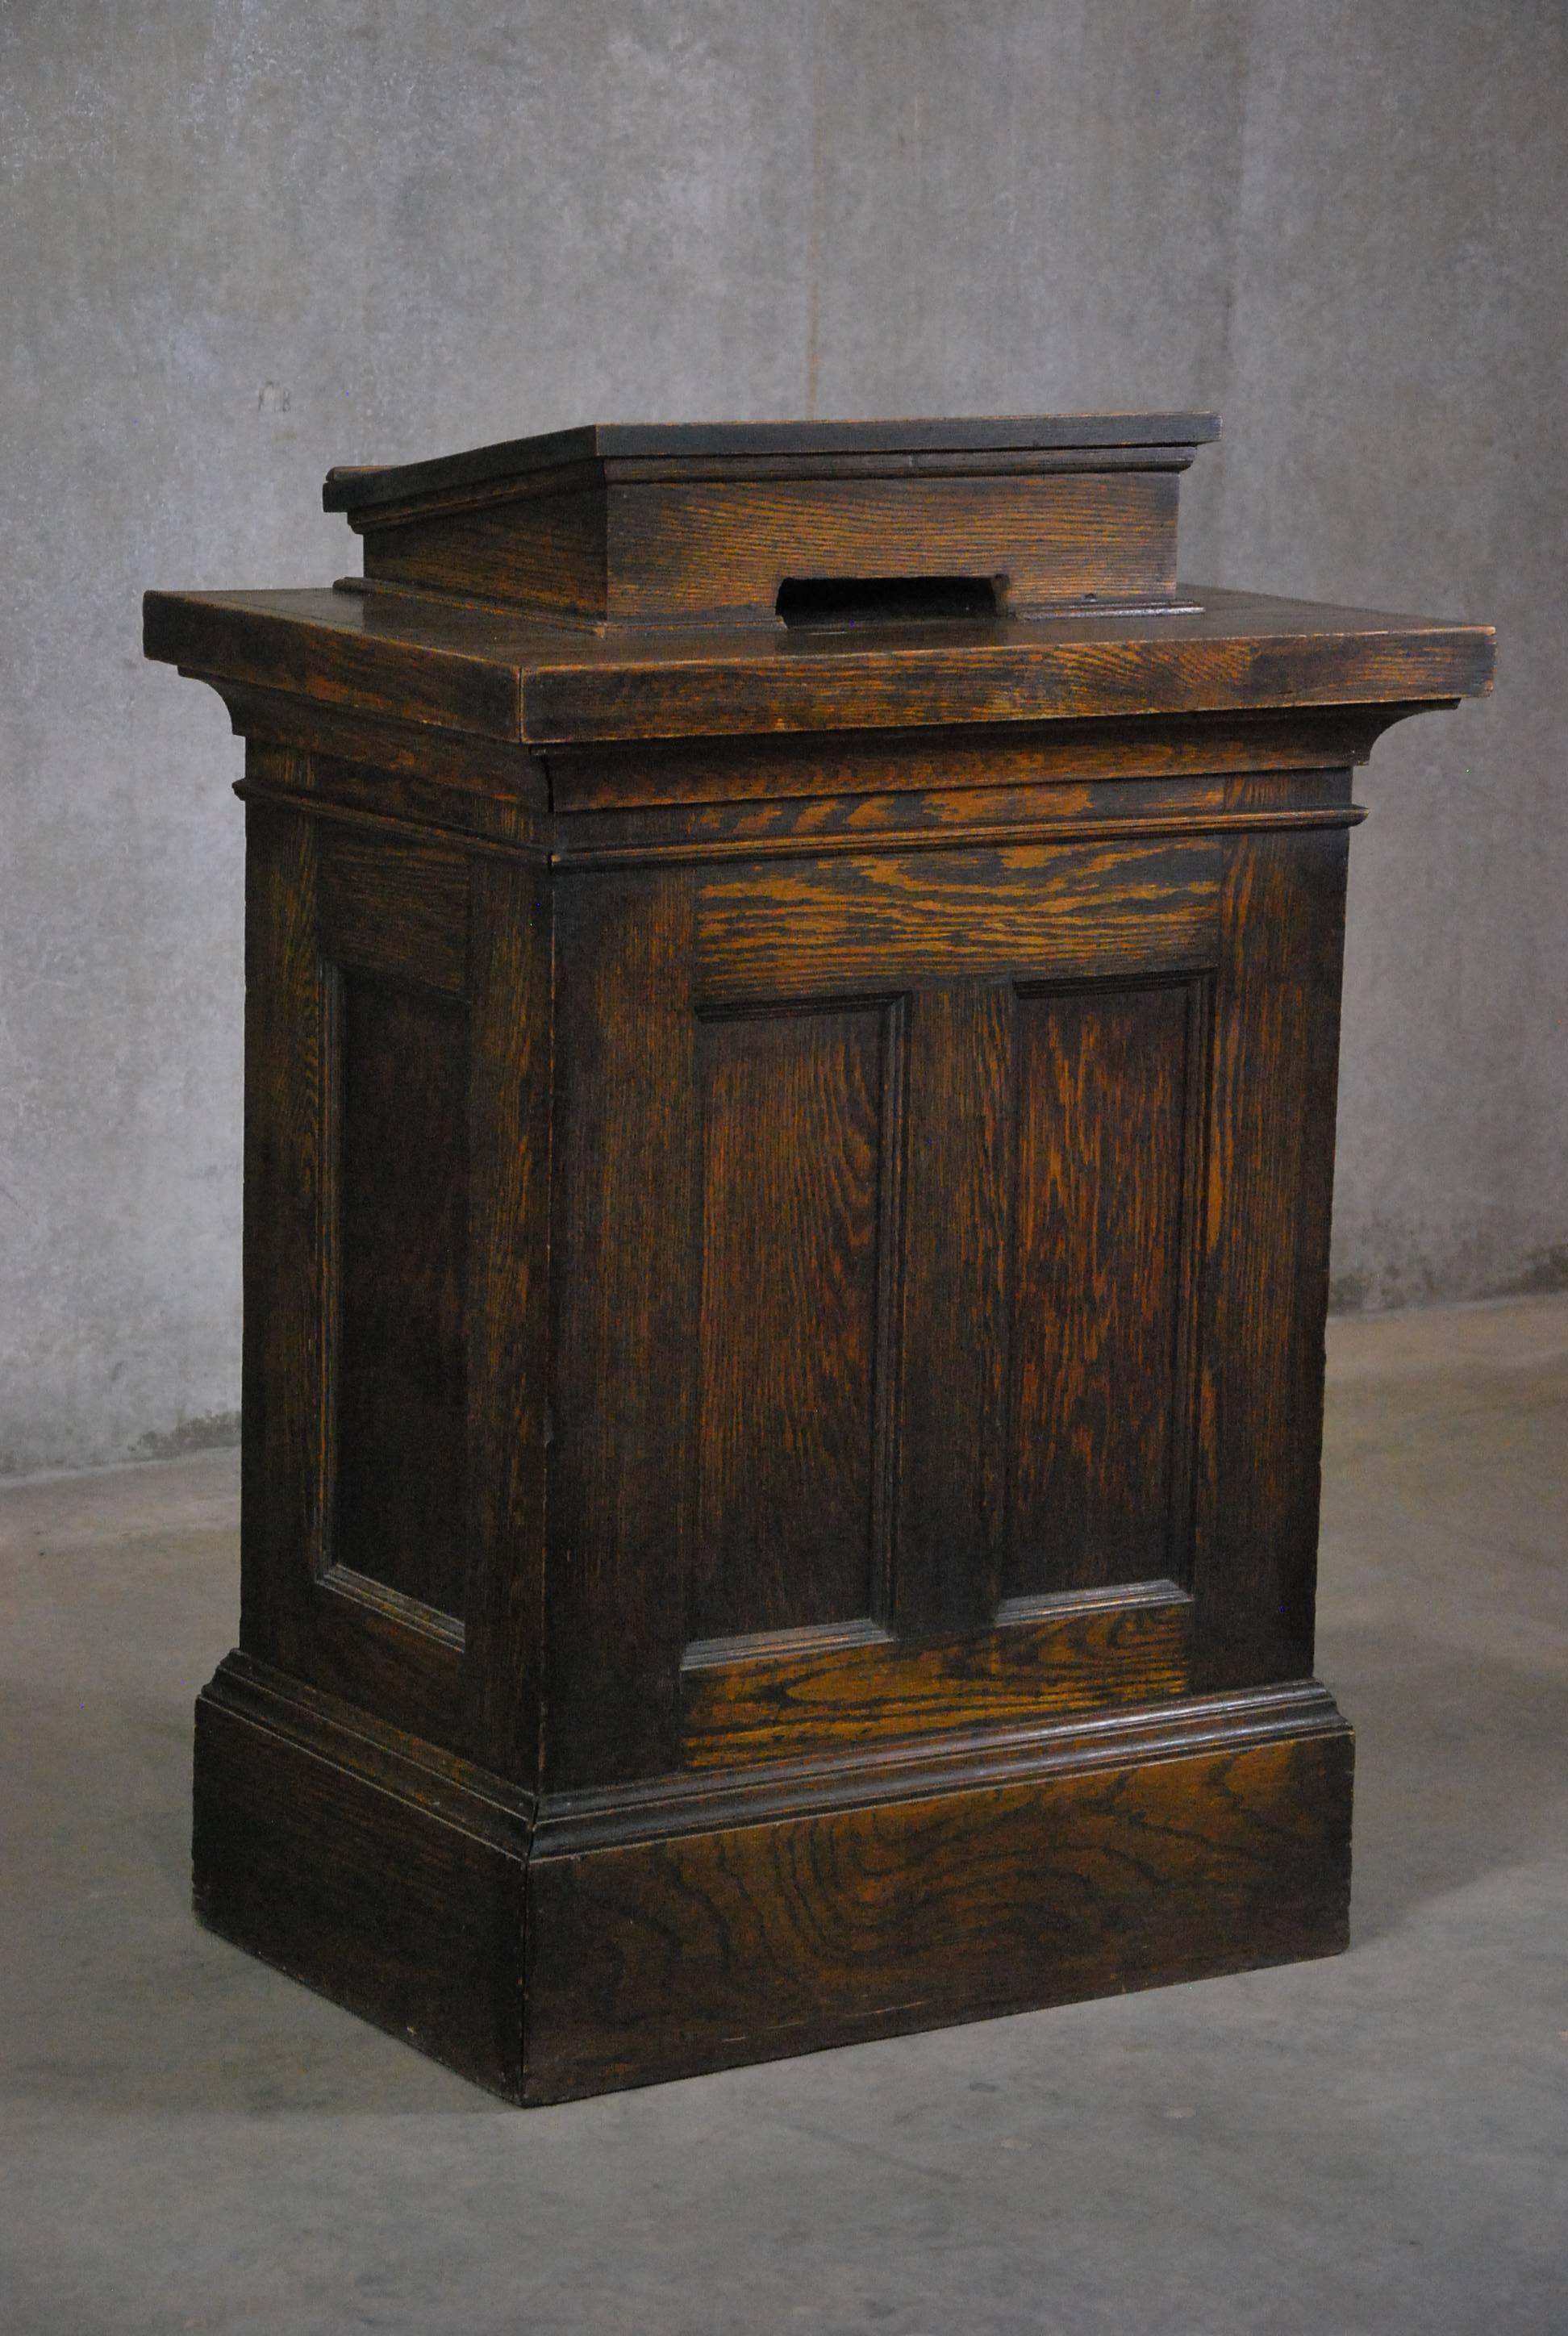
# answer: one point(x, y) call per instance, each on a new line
point(787, 1187)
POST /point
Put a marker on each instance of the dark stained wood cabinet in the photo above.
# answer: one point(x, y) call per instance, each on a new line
point(792, 1006)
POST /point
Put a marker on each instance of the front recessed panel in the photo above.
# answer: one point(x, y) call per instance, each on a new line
point(788, 1503)
point(1098, 1283)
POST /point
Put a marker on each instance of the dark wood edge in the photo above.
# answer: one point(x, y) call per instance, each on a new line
point(350, 815)
point(650, 625)
point(1119, 1598)
point(534, 691)
point(352, 488)
point(462, 1794)
point(493, 768)
point(1088, 676)
point(710, 1799)
point(973, 462)
point(359, 1589)
point(783, 1646)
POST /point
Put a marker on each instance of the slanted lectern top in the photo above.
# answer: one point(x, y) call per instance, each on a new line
point(792, 989)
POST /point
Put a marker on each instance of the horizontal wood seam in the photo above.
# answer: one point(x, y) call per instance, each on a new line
point(351, 816)
point(813, 847)
point(571, 620)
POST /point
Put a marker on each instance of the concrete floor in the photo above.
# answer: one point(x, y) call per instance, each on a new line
point(1376, 2144)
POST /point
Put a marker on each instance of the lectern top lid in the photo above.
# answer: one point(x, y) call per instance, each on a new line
point(350, 488)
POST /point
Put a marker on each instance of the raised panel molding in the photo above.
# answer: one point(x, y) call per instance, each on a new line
point(949, 1241)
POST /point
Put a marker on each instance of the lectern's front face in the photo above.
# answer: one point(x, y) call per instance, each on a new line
point(787, 1205)
point(893, 1165)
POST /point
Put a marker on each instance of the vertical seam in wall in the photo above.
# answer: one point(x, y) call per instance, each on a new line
point(817, 235)
point(1235, 230)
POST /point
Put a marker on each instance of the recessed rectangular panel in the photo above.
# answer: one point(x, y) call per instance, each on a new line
point(401, 1381)
point(789, 1506)
point(1097, 1376)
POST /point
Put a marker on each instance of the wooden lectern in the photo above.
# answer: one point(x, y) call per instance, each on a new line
point(793, 996)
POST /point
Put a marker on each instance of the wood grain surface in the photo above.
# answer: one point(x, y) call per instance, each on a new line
point(395, 904)
point(884, 922)
point(840, 777)
point(400, 1490)
point(1103, 1207)
point(1270, 1185)
point(718, 552)
point(520, 679)
point(744, 1943)
point(617, 448)
point(510, 1135)
point(289, 1204)
point(953, 1321)
point(384, 1876)
point(625, 1202)
point(748, 1702)
point(789, 1506)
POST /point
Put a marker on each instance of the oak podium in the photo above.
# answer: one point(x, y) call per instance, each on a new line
point(792, 1004)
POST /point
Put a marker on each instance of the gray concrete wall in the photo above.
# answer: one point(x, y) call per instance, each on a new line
point(243, 241)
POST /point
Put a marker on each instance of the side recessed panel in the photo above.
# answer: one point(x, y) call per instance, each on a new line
point(789, 1507)
point(400, 1378)
point(1098, 1289)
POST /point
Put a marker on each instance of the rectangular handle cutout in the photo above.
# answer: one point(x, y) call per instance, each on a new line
point(849, 600)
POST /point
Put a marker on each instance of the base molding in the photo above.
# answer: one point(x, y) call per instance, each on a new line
point(619, 1938)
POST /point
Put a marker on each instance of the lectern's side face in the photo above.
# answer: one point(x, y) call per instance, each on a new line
point(398, 1163)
